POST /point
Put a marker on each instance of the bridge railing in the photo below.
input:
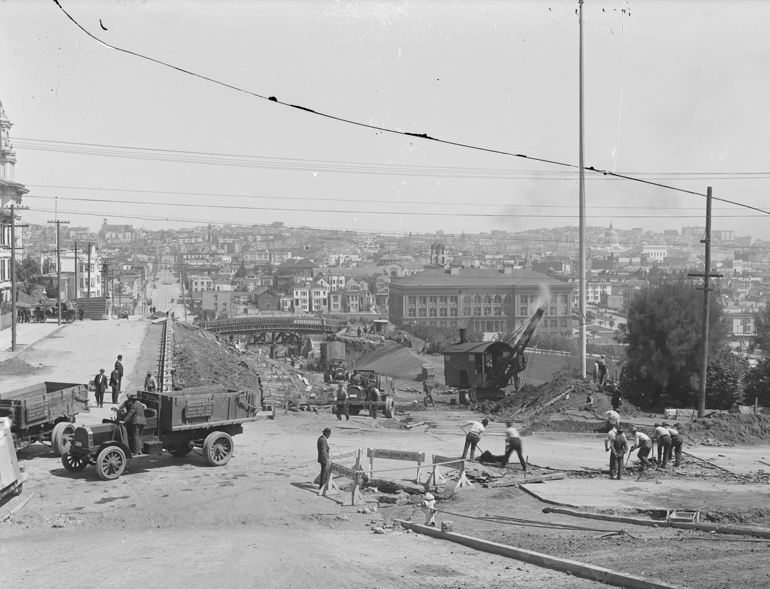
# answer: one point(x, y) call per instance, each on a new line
point(274, 322)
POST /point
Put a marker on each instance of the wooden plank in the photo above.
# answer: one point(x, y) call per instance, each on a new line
point(540, 479)
point(573, 567)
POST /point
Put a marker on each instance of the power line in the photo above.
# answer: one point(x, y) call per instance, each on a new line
point(347, 200)
point(393, 131)
point(183, 156)
point(402, 213)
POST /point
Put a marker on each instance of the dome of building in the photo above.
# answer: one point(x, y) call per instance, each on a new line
point(611, 236)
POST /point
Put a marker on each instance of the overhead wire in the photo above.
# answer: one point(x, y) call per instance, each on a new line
point(403, 213)
point(394, 131)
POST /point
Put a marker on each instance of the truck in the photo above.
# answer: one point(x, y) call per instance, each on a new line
point(488, 366)
point(44, 413)
point(358, 396)
point(177, 421)
point(333, 361)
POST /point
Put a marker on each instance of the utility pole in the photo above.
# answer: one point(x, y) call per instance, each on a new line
point(58, 265)
point(76, 272)
point(88, 296)
point(706, 306)
point(13, 276)
point(582, 211)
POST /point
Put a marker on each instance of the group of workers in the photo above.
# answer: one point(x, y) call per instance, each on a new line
point(512, 441)
point(667, 438)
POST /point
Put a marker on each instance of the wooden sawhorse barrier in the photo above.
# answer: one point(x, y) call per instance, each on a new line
point(418, 457)
point(354, 473)
point(436, 477)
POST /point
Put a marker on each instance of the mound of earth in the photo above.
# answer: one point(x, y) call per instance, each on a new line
point(201, 361)
point(729, 428)
point(547, 407)
point(398, 362)
point(15, 367)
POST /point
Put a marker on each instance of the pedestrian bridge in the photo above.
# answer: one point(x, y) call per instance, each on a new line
point(278, 323)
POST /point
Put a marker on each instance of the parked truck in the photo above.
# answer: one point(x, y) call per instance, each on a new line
point(177, 421)
point(358, 398)
point(44, 413)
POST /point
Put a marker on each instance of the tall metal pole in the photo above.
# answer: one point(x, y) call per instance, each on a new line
point(88, 296)
point(76, 272)
point(13, 279)
point(582, 212)
point(58, 272)
point(706, 308)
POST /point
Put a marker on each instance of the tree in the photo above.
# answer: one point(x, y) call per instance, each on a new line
point(26, 272)
point(665, 344)
point(51, 290)
point(725, 380)
point(757, 383)
point(762, 330)
point(612, 323)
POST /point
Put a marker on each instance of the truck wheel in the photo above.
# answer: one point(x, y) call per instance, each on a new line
point(388, 410)
point(73, 462)
point(110, 463)
point(61, 437)
point(217, 448)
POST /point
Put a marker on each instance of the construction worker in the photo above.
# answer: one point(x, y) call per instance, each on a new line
point(612, 419)
point(616, 397)
point(150, 384)
point(644, 443)
point(609, 443)
point(676, 443)
point(663, 439)
point(472, 395)
point(619, 447)
point(427, 391)
point(473, 435)
point(602, 371)
point(342, 402)
point(356, 378)
point(513, 444)
point(374, 400)
point(589, 406)
point(323, 456)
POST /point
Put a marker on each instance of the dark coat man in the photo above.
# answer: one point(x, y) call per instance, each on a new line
point(100, 385)
point(323, 456)
point(119, 368)
point(115, 384)
point(134, 420)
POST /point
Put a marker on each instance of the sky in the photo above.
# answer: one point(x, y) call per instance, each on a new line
point(676, 92)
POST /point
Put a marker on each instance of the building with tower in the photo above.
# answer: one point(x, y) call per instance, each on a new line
point(11, 192)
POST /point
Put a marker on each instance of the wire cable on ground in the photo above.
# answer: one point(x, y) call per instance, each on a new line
point(393, 131)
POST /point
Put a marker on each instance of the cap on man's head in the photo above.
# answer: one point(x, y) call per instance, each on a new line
point(101, 370)
point(656, 425)
point(327, 431)
point(665, 424)
point(633, 429)
point(149, 373)
point(133, 395)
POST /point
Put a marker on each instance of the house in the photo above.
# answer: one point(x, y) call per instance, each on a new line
point(265, 298)
point(217, 301)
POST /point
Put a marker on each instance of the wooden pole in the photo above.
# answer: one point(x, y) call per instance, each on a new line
point(88, 295)
point(706, 308)
point(13, 278)
point(582, 211)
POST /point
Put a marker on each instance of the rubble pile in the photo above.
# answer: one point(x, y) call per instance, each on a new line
point(728, 429)
point(15, 367)
point(547, 407)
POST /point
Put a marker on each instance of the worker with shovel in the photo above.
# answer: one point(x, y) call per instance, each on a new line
point(473, 436)
point(663, 439)
point(676, 443)
point(644, 443)
point(513, 444)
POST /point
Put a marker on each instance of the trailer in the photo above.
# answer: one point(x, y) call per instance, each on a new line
point(206, 418)
point(44, 413)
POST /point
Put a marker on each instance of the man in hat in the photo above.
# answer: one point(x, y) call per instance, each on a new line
point(473, 435)
point(513, 444)
point(644, 443)
point(323, 456)
point(133, 418)
point(661, 436)
point(676, 443)
point(150, 384)
point(119, 368)
point(618, 449)
point(115, 384)
point(602, 371)
point(100, 385)
point(342, 402)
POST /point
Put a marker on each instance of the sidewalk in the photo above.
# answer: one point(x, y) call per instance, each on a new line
point(26, 335)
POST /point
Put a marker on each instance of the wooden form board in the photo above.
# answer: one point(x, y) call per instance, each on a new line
point(418, 457)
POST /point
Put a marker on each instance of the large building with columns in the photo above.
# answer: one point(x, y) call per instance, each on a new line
point(488, 300)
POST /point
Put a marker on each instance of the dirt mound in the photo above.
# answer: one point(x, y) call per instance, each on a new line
point(729, 428)
point(16, 367)
point(397, 362)
point(558, 405)
point(200, 361)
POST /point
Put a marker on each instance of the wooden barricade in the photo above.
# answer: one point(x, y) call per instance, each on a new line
point(354, 473)
point(418, 457)
point(436, 477)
